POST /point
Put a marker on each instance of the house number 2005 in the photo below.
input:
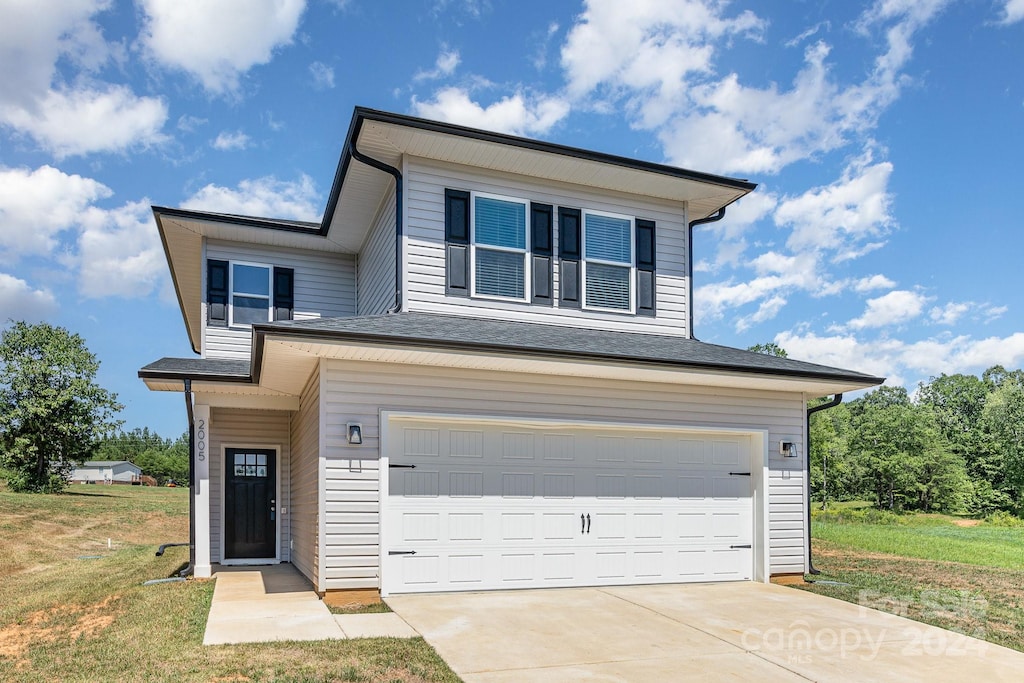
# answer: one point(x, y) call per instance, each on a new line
point(201, 440)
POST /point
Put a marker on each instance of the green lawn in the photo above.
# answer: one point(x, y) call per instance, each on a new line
point(72, 609)
point(955, 573)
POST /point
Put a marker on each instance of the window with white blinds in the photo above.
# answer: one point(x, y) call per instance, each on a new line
point(499, 247)
point(607, 261)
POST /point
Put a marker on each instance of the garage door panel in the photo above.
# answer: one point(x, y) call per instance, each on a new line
point(491, 506)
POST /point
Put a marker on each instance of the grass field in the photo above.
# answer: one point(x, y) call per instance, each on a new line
point(74, 609)
point(954, 573)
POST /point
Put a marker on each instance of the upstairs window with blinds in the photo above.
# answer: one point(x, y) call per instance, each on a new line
point(500, 247)
point(608, 262)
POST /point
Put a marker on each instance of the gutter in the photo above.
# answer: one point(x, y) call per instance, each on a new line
point(397, 175)
point(836, 400)
point(713, 218)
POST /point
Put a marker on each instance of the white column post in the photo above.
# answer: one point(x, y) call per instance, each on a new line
point(201, 415)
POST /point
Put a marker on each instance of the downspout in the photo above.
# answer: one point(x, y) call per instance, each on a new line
point(836, 400)
point(397, 175)
point(716, 216)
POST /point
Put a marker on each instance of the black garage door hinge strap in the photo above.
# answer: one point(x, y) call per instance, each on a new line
point(731, 474)
point(403, 467)
point(401, 552)
point(733, 547)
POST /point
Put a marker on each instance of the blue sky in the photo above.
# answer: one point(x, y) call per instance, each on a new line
point(885, 136)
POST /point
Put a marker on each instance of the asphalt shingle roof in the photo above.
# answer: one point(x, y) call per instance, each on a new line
point(197, 368)
point(486, 334)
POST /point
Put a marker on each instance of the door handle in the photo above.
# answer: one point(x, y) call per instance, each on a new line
point(588, 522)
point(583, 524)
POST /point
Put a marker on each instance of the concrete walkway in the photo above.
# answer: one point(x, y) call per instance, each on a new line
point(722, 632)
point(263, 604)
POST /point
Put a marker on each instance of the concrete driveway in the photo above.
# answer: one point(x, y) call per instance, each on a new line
point(714, 632)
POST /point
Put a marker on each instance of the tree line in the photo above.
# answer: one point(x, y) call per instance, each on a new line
point(956, 445)
point(163, 459)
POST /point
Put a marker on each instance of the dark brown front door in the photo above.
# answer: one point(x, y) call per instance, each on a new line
point(250, 505)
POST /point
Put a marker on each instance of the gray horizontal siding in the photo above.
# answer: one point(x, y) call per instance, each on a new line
point(375, 273)
point(324, 287)
point(305, 489)
point(357, 392)
point(424, 288)
point(254, 428)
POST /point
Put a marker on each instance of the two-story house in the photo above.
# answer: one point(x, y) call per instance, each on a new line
point(478, 372)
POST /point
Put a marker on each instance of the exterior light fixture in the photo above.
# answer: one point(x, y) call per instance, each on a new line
point(355, 433)
point(787, 449)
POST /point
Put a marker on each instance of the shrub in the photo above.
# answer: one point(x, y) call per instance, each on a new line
point(1004, 519)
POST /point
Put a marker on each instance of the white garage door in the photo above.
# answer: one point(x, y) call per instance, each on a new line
point(497, 506)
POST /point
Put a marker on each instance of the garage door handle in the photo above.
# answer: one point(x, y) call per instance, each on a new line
point(588, 523)
point(583, 523)
point(731, 474)
point(402, 467)
point(401, 552)
point(733, 547)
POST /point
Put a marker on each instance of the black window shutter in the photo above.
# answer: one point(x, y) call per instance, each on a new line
point(216, 293)
point(456, 242)
point(284, 293)
point(569, 258)
point(541, 253)
point(645, 268)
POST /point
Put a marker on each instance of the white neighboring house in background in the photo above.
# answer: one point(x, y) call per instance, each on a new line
point(106, 472)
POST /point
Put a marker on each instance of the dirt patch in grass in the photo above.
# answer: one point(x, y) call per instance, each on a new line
point(984, 602)
point(56, 623)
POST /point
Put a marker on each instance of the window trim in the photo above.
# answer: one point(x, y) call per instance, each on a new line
point(524, 252)
point(584, 260)
point(231, 291)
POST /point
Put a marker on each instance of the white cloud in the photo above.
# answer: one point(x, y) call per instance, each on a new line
point(19, 301)
point(873, 282)
point(268, 197)
point(898, 306)
point(445, 65)
point(950, 313)
point(189, 123)
point(1013, 11)
point(78, 115)
point(217, 42)
point(73, 122)
point(657, 58)
point(518, 114)
point(36, 206)
point(119, 252)
point(227, 140)
point(842, 215)
point(323, 76)
point(902, 362)
point(542, 39)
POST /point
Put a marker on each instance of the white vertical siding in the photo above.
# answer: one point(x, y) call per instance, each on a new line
point(357, 392)
point(305, 489)
point(258, 429)
point(325, 286)
point(425, 272)
point(375, 273)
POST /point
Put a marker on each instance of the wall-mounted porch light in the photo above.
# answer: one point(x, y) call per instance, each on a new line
point(787, 449)
point(355, 433)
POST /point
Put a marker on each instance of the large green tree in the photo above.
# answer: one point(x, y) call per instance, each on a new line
point(52, 411)
point(162, 459)
point(1004, 418)
point(905, 461)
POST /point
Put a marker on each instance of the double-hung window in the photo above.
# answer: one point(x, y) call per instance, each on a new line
point(250, 293)
point(608, 262)
point(500, 247)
